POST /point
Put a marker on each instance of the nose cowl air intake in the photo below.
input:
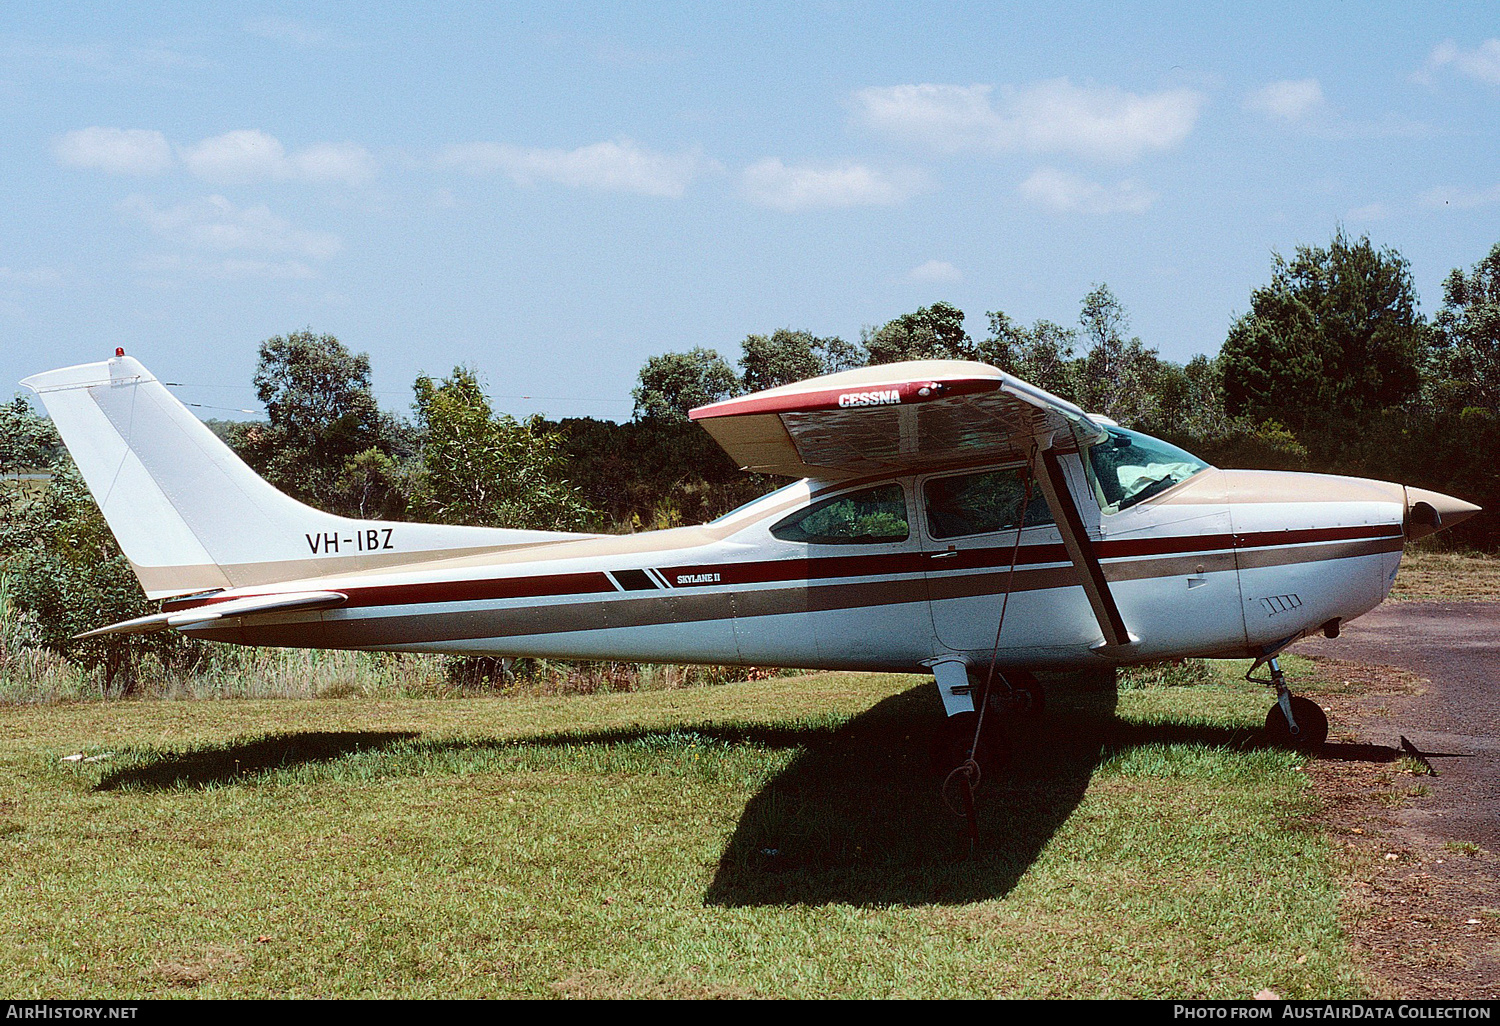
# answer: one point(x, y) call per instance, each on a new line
point(1431, 512)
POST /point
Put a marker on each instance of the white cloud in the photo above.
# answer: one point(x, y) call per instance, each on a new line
point(1481, 63)
point(1288, 99)
point(771, 183)
point(1068, 193)
point(214, 224)
point(1370, 212)
point(250, 155)
point(126, 151)
point(173, 266)
point(288, 31)
point(240, 156)
point(35, 276)
point(935, 272)
point(333, 162)
point(1054, 116)
point(1462, 199)
point(616, 166)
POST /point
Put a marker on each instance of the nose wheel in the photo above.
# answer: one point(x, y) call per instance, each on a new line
point(1311, 725)
point(1293, 722)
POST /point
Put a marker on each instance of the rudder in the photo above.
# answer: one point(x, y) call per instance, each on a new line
point(192, 516)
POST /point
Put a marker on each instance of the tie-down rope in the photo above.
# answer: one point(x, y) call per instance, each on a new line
point(969, 770)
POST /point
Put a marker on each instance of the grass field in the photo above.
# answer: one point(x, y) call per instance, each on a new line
point(347, 824)
point(776, 838)
point(1447, 577)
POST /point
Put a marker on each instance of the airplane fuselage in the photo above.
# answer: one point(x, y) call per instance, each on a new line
point(947, 514)
point(1223, 564)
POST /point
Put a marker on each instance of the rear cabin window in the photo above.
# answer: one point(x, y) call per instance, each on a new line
point(860, 518)
point(982, 503)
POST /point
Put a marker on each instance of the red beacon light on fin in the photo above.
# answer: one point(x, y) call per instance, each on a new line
point(119, 350)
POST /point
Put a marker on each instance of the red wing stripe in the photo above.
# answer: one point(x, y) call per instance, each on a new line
point(901, 392)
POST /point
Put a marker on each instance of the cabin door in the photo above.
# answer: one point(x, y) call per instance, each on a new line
point(970, 523)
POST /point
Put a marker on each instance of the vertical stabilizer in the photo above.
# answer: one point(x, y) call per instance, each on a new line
point(192, 516)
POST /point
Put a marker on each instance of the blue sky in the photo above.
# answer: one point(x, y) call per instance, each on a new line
point(551, 193)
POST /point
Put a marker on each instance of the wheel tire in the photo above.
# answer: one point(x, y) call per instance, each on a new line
point(1312, 726)
point(1024, 699)
point(951, 740)
point(1030, 701)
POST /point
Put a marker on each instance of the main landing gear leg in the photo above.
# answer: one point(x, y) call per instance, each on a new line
point(1017, 694)
point(1292, 722)
point(960, 737)
point(1014, 696)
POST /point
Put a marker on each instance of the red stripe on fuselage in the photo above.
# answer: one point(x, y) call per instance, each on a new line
point(824, 568)
point(991, 557)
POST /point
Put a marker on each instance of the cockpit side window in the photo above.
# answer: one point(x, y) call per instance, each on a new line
point(866, 517)
point(1129, 467)
point(982, 503)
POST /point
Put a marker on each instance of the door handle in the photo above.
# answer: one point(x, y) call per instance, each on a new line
point(945, 555)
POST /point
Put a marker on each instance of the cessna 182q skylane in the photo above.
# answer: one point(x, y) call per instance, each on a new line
point(947, 518)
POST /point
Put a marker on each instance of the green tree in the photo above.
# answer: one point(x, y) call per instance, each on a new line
point(377, 486)
point(1202, 411)
point(1041, 354)
point(488, 470)
point(674, 383)
point(322, 414)
point(933, 332)
point(26, 440)
point(652, 473)
point(1335, 334)
point(1467, 338)
point(786, 356)
point(64, 572)
point(1116, 376)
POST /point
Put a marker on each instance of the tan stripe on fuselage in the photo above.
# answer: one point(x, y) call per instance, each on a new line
point(244, 575)
point(1210, 487)
point(1238, 487)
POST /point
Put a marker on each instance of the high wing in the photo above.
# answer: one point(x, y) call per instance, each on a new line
point(914, 417)
point(899, 418)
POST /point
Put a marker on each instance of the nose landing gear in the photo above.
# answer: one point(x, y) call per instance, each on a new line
point(1293, 722)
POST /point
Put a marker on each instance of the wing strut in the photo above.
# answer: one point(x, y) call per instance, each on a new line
point(1080, 549)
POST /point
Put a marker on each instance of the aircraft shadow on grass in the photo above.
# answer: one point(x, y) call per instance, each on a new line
point(237, 762)
point(856, 817)
point(859, 819)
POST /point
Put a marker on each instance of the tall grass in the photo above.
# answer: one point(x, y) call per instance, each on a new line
point(30, 675)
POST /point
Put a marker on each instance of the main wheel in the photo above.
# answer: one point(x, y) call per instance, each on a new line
point(1312, 726)
point(951, 741)
point(1028, 699)
point(1024, 697)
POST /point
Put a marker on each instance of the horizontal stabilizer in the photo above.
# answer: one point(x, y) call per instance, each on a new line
point(302, 601)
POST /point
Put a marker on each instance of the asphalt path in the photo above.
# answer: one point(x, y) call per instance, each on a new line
point(1455, 721)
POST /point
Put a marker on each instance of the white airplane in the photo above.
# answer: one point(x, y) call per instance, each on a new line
point(948, 518)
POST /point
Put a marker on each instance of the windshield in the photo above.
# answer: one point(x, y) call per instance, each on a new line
point(1128, 467)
